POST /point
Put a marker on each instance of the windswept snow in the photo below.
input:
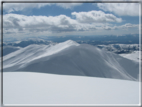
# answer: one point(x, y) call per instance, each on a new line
point(71, 58)
point(39, 88)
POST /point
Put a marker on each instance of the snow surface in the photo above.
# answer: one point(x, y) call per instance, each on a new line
point(39, 88)
point(9, 49)
point(33, 52)
point(71, 58)
point(132, 56)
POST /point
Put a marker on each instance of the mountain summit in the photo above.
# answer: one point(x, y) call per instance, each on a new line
point(71, 58)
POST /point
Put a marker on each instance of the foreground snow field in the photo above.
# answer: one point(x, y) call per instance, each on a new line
point(42, 88)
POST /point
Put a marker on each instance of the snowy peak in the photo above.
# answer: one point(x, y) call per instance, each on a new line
point(34, 52)
point(67, 43)
point(71, 42)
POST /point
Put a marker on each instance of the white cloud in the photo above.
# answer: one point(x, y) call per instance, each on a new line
point(126, 26)
point(122, 9)
point(95, 16)
point(59, 23)
point(22, 24)
point(129, 25)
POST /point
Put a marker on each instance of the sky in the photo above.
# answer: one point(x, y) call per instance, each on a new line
point(63, 19)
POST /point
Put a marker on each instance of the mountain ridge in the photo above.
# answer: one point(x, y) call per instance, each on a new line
point(75, 59)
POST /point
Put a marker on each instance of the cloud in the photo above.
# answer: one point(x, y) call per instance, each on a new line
point(129, 25)
point(16, 23)
point(95, 17)
point(121, 9)
point(40, 23)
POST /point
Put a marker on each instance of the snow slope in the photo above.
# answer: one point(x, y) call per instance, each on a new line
point(132, 56)
point(33, 52)
point(9, 49)
point(39, 88)
point(70, 58)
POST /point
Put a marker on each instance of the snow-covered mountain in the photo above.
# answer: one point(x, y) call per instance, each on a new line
point(71, 58)
point(120, 48)
point(9, 49)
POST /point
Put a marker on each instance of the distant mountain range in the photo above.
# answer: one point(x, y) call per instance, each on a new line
point(25, 43)
point(120, 48)
point(116, 48)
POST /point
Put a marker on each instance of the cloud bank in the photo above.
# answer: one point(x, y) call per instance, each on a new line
point(95, 16)
point(121, 9)
point(83, 21)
